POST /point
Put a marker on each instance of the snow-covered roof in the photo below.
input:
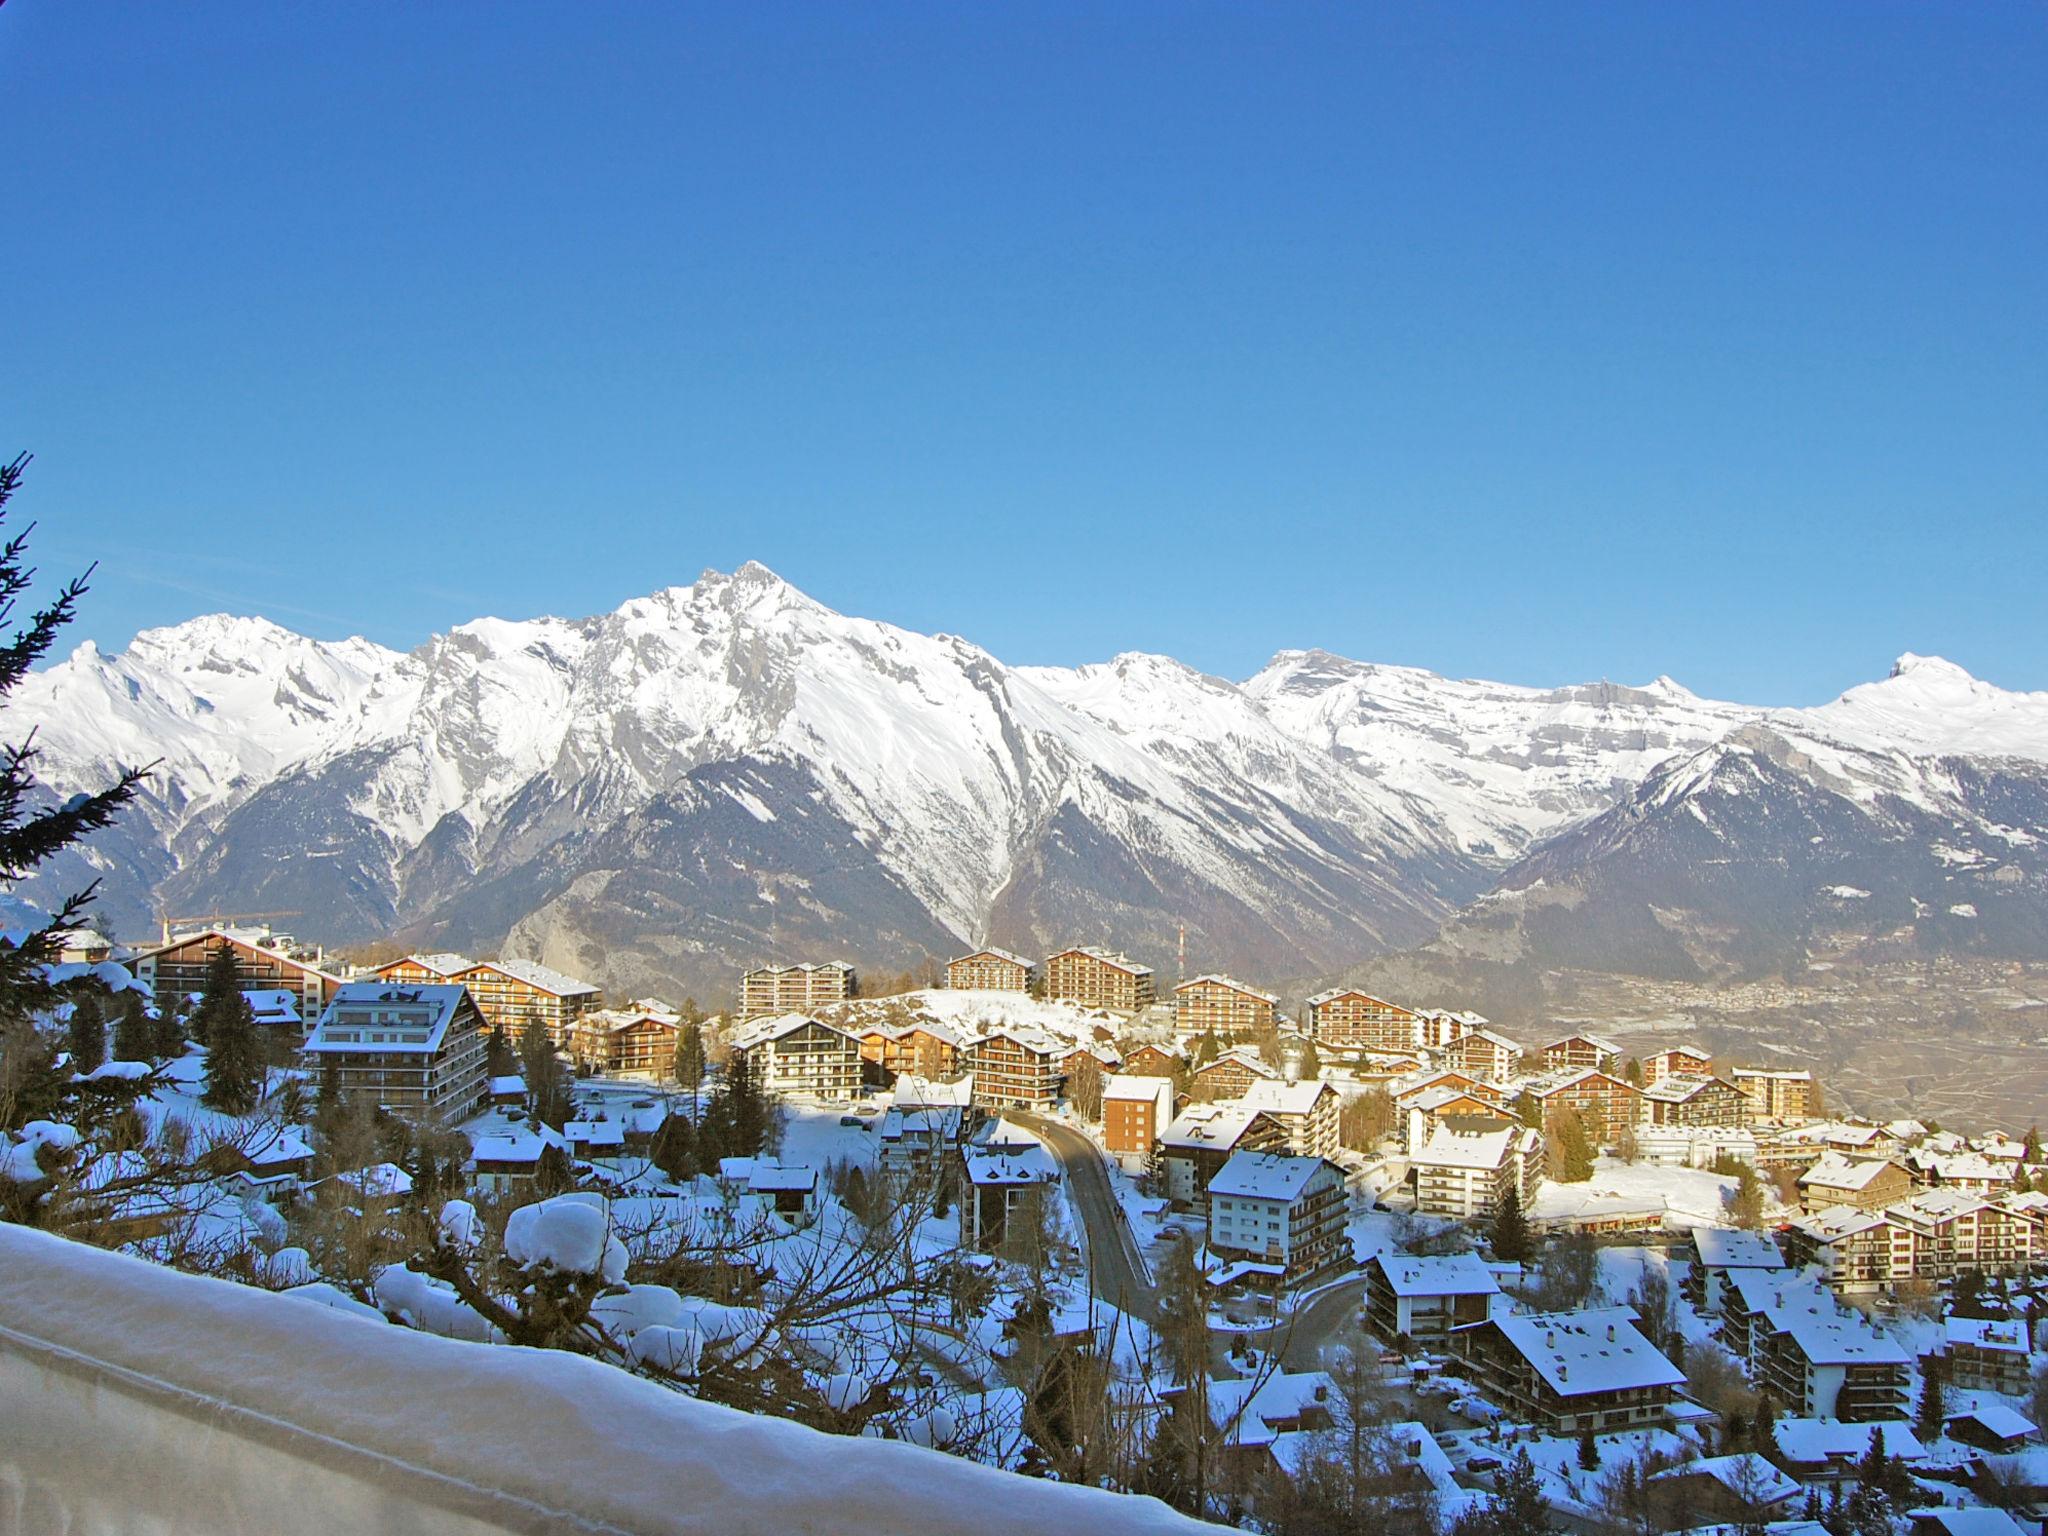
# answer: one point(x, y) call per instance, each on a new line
point(1596, 1350)
point(1599, 1043)
point(1250, 1408)
point(1209, 1125)
point(996, 954)
point(595, 1133)
point(1030, 1037)
point(1448, 1274)
point(769, 1177)
point(444, 963)
point(1492, 1037)
point(378, 1179)
point(775, 1026)
point(508, 1146)
point(1130, 1087)
point(1010, 1163)
point(1680, 1086)
point(1334, 993)
point(1731, 1248)
point(1297, 1098)
point(540, 977)
point(2001, 1419)
point(923, 1092)
point(1968, 1520)
point(1545, 1087)
point(1827, 1333)
point(1265, 1176)
point(1239, 1057)
point(1775, 1074)
point(1837, 1172)
point(511, 1082)
point(1812, 1442)
point(1469, 1142)
point(2006, 1334)
point(1108, 957)
point(380, 1016)
point(1215, 980)
point(1746, 1475)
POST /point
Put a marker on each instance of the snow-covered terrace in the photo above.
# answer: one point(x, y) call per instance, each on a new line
point(140, 1397)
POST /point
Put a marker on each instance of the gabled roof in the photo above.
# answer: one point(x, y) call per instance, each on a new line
point(1460, 1142)
point(775, 1026)
point(1231, 982)
point(540, 977)
point(1493, 1037)
point(1449, 1274)
point(1596, 1350)
point(1115, 961)
point(1265, 1176)
point(1210, 1125)
point(446, 963)
point(1029, 1037)
point(991, 952)
point(1730, 1248)
point(1746, 1475)
point(1814, 1442)
point(2007, 1334)
point(1297, 1098)
point(1335, 993)
point(1241, 1058)
point(2002, 1420)
point(420, 1013)
point(1010, 1163)
point(1545, 1089)
point(1133, 1088)
point(1837, 1172)
point(1680, 1086)
point(1599, 1043)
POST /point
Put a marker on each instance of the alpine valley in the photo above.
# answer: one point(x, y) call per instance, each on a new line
point(729, 772)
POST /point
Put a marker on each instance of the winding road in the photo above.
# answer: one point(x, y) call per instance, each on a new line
point(1118, 1272)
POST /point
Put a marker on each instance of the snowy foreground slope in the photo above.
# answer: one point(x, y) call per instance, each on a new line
point(730, 771)
point(205, 1404)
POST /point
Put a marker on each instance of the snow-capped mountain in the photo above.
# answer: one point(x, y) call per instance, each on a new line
point(729, 771)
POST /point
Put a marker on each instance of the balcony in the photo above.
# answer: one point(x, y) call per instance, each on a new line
point(136, 1398)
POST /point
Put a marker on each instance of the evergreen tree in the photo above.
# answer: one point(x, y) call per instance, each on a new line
point(167, 1034)
point(548, 1092)
point(221, 997)
point(1509, 1237)
point(1311, 1062)
point(88, 1030)
point(234, 1059)
point(748, 1113)
point(675, 1147)
point(689, 1064)
point(1589, 1450)
point(1529, 1110)
point(1928, 1411)
point(132, 1033)
point(1571, 1149)
point(553, 1174)
point(499, 1059)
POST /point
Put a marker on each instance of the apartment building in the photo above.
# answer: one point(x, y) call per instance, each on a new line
point(1679, 1061)
point(1682, 1099)
point(424, 970)
point(1005, 1183)
point(1018, 1068)
point(1468, 1166)
point(1783, 1097)
point(639, 1041)
point(1823, 1361)
point(1866, 1183)
point(264, 961)
point(1153, 1061)
point(778, 989)
point(1202, 1138)
point(1988, 1355)
point(1568, 1372)
point(1135, 1110)
point(414, 1051)
point(1720, 1253)
point(1097, 978)
point(1482, 1053)
point(1346, 1019)
point(1580, 1053)
point(514, 994)
point(1606, 1104)
point(918, 1050)
point(1221, 1005)
point(798, 1057)
point(1422, 1298)
point(1306, 1112)
point(1436, 1028)
point(1276, 1212)
point(991, 970)
point(1229, 1076)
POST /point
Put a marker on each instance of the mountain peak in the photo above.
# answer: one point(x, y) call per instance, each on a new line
point(1930, 667)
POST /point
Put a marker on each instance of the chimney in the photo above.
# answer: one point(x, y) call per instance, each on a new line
point(1610, 1333)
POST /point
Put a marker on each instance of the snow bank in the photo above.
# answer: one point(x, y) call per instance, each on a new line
point(579, 1440)
point(566, 1235)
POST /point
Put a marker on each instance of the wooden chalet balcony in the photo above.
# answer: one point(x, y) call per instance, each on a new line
point(133, 1398)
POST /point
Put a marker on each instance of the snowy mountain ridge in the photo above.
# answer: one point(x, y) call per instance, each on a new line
point(729, 770)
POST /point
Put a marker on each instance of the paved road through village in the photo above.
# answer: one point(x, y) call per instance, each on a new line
point(1119, 1273)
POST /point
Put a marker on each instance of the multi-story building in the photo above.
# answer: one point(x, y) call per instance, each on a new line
point(1468, 1166)
point(1202, 1138)
point(1220, 1005)
point(991, 970)
point(1096, 978)
point(1421, 1113)
point(1866, 1183)
point(424, 970)
point(1823, 1361)
point(1718, 1254)
point(1783, 1096)
point(1581, 1053)
point(1018, 1068)
point(1697, 1101)
point(1229, 1076)
point(779, 989)
point(1988, 1354)
point(803, 1058)
point(1134, 1112)
point(415, 1051)
point(1679, 1061)
point(1346, 1019)
point(1939, 1232)
point(1851, 1248)
point(1271, 1209)
point(1153, 1061)
point(1006, 1183)
point(515, 994)
point(1482, 1053)
point(176, 969)
point(1570, 1372)
point(1306, 1112)
point(639, 1041)
point(1607, 1105)
point(1436, 1028)
point(1422, 1298)
point(919, 1050)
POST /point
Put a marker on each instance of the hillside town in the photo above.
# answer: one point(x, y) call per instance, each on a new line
point(1354, 1265)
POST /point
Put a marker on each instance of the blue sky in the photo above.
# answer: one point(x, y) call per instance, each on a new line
point(1537, 342)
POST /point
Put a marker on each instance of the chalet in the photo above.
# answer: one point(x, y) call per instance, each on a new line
point(1106, 1059)
point(1742, 1492)
point(991, 970)
point(415, 1051)
point(508, 1091)
point(1002, 1180)
point(1581, 1053)
point(1717, 1253)
point(1153, 1061)
point(82, 946)
point(802, 1058)
point(424, 970)
point(638, 1042)
point(1096, 978)
point(1349, 1020)
point(1988, 1354)
point(783, 989)
point(1490, 1057)
point(1830, 1451)
point(1975, 1520)
point(1697, 1101)
point(514, 994)
point(1259, 1418)
point(1606, 1104)
point(507, 1160)
point(1306, 1113)
point(1018, 1068)
point(1222, 1005)
point(789, 1191)
point(1135, 1110)
point(274, 1161)
point(1679, 1061)
point(1990, 1427)
point(264, 962)
point(595, 1138)
point(1202, 1138)
point(1867, 1184)
point(1229, 1076)
point(1567, 1372)
point(1418, 1298)
point(1269, 1208)
point(1468, 1167)
point(1786, 1097)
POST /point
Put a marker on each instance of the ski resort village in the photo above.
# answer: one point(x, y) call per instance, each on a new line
point(1339, 1264)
